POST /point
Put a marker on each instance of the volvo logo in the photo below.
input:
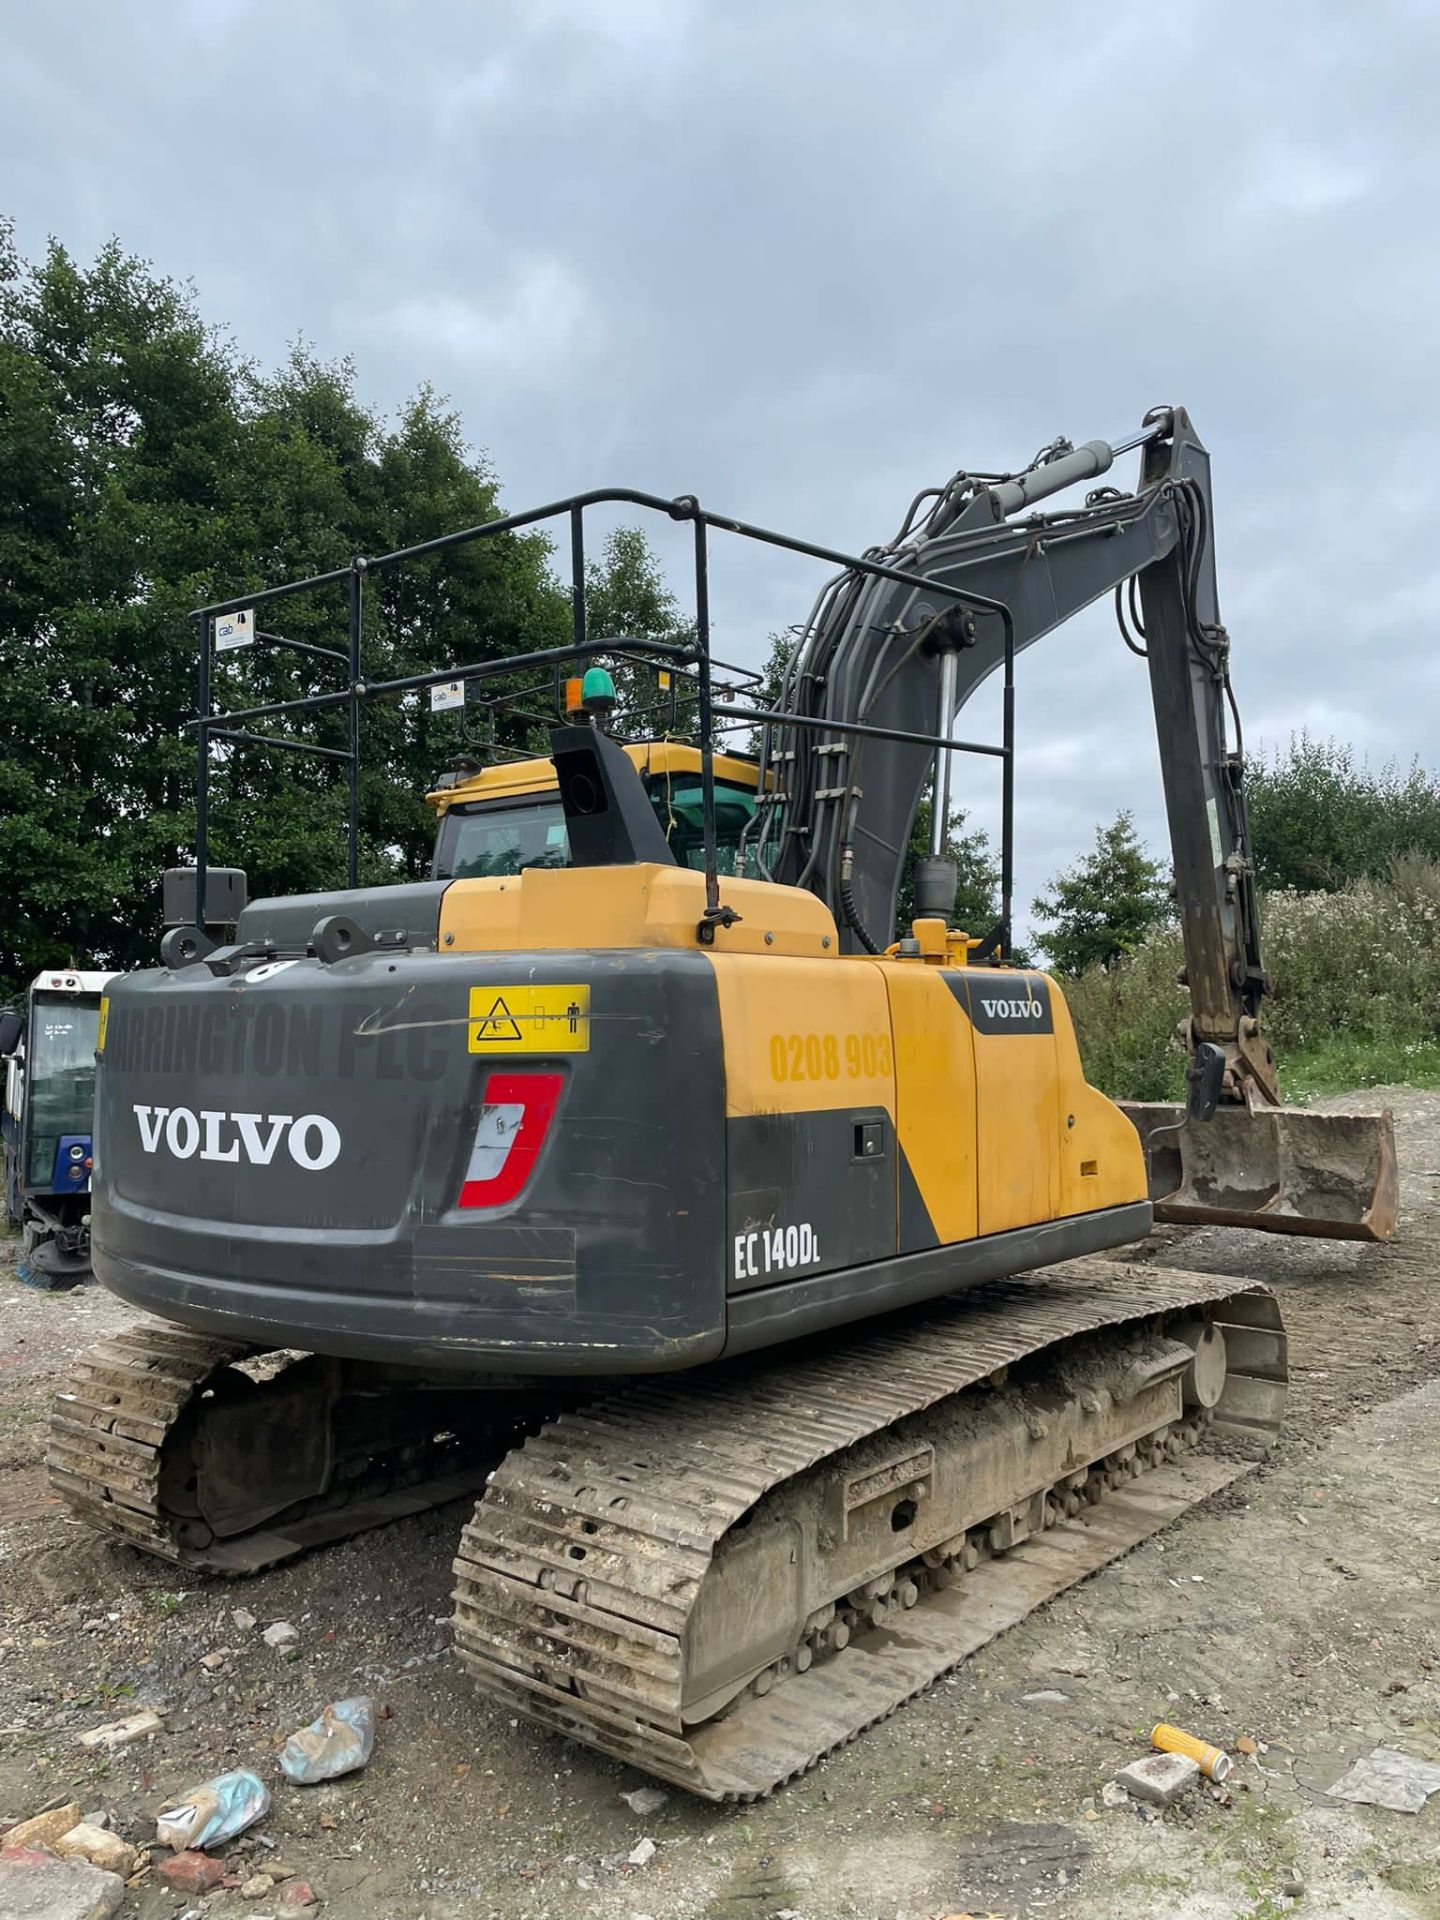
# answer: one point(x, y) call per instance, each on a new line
point(1014, 1009)
point(312, 1141)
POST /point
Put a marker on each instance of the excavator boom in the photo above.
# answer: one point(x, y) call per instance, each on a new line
point(837, 804)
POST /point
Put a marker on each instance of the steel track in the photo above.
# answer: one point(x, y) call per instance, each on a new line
point(580, 1571)
point(112, 1422)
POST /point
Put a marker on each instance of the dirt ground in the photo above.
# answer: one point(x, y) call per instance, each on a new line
point(1297, 1608)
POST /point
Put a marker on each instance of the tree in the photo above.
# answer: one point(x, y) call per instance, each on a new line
point(1319, 820)
point(977, 898)
point(627, 600)
point(145, 468)
point(1105, 904)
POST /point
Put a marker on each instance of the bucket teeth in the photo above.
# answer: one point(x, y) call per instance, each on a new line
point(1332, 1176)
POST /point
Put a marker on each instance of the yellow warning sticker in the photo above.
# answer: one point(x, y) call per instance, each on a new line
point(529, 1019)
point(104, 1022)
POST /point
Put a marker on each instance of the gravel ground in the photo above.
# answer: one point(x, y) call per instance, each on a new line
point(1297, 1608)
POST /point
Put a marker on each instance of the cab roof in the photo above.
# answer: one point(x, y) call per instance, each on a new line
point(520, 777)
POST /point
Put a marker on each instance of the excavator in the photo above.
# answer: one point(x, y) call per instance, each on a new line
point(738, 1260)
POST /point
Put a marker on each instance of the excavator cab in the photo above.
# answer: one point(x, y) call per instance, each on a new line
point(506, 818)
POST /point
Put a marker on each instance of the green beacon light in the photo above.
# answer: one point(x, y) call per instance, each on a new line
point(597, 692)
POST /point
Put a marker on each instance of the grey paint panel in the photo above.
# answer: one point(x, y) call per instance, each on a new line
point(287, 923)
point(804, 1194)
point(799, 1307)
point(614, 1247)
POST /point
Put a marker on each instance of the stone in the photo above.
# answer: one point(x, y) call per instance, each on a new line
point(34, 1885)
point(121, 1733)
point(257, 1886)
point(212, 1662)
point(45, 1829)
point(642, 1853)
point(281, 1634)
point(1113, 1796)
point(191, 1872)
point(243, 1619)
point(1246, 1746)
point(105, 1850)
point(645, 1800)
point(299, 1893)
point(1292, 1884)
point(1385, 1778)
point(1159, 1779)
point(1046, 1697)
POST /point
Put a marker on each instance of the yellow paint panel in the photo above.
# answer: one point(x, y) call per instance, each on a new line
point(802, 1036)
point(529, 1019)
point(104, 1022)
point(935, 1095)
point(640, 906)
point(1102, 1163)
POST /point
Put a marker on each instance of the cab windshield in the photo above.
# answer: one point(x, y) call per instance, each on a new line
point(60, 1077)
point(498, 837)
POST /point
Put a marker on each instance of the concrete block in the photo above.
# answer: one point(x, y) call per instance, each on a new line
point(34, 1885)
point(1160, 1778)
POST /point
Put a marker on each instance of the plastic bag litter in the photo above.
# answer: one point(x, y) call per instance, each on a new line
point(342, 1739)
point(207, 1815)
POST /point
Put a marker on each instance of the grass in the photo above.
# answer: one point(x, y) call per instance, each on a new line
point(1359, 1060)
point(1354, 995)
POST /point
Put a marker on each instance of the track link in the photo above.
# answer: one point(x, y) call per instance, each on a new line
point(115, 1427)
point(582, 1569)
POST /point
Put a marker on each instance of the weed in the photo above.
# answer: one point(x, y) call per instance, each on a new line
point(1355, 987)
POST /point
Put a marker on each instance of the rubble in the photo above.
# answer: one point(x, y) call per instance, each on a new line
point(191, 1872)
point(642, 1854)
point(280, 1634)
point(105, 1850)
point(122, 1733)
point(257, 1886)
point(45, 1829)
point(35, 1885)
point(645, 1800)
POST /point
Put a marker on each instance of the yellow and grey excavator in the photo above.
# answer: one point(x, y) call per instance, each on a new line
point(725, 1222)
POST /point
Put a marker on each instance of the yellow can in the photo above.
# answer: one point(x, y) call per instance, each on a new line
point(1213, 1762)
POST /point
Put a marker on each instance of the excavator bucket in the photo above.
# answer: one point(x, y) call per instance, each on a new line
point(1278, 1169)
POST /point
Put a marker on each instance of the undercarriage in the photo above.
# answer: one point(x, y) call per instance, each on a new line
point(724, 1579)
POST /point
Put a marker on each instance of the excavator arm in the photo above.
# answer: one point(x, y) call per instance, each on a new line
point(882, 669)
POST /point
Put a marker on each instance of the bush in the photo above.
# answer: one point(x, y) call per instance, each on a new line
point(1360, 967)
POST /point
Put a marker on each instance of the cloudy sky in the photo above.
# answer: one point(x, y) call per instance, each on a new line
point(804, 256)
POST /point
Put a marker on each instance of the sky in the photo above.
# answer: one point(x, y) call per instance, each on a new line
point(804, 257)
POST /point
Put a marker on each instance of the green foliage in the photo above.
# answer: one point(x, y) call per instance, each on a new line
point(146, 467)
point(1354, 1001)
point(1319, 819)
point(1106, 904)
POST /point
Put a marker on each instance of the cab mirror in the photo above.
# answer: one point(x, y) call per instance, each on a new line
point(12, 1027)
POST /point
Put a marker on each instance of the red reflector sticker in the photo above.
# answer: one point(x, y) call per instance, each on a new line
point(514, 1119)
